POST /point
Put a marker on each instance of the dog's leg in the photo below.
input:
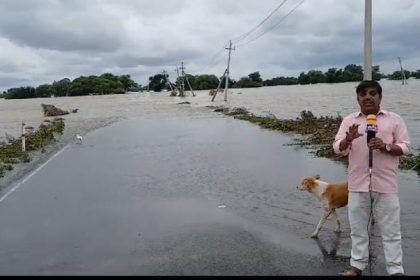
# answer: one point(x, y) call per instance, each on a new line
point(338, 222)
point(324, 217)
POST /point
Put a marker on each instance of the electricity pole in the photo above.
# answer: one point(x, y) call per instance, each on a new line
point(186, 79)
point(367, 75)
point(168, 82)
point(182, 78)
point(218, 86)
point(227, 70)
point(403, 78)
point(181, 81)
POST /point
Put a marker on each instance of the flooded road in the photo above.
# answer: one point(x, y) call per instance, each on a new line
point(182, 196)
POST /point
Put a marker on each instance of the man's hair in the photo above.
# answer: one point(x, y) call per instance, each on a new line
point(368, 83)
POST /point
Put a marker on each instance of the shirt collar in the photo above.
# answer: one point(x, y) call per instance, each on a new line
point(381, 112)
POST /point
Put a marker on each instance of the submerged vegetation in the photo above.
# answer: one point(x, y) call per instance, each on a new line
point(316, 133)
point(106, 83)
point(109, 83)
point(12, 153)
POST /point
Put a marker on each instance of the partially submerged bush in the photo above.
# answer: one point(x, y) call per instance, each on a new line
point(316, 133)
point(11, 153)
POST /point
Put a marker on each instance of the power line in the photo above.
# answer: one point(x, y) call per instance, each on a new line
point(274, 26)
point(214, 60)
point(246, 34)
point(210, 66)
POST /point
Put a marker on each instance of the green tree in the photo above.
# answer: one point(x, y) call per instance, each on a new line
point(376, 73)
point(206, 82)
point(253, 80)
point(397, 75)
point(82, 86)
point(157, 82)
point(316, 76)
point(43, 91)
point(127, 82)
point(109, 76)
point(333, 75)
point(106, 86)
point(247, 82)
point(353, 73)
point(61, 87)
point(231, 83)
point(280, 81)
point(191, 80)
point(303, 79)
point(20, 93)
point(256, 77)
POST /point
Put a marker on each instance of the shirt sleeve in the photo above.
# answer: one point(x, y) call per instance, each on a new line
point(401, 137)
point(341, 134)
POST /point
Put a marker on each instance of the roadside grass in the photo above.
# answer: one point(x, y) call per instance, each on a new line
point(11, 153)
point(314, 133)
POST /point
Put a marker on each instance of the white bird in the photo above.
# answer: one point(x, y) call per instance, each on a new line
point(79, 138)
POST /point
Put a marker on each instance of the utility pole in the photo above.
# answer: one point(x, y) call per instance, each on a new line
point(218, 86)
point(367, 75)
point(186, 79)
point(181, 81)
point(167, 81)
point(403, 78)
point(227, 70)
point(165, 76)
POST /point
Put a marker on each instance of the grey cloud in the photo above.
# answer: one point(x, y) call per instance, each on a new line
point(171, 57)
point(14, 81)
point(57, 25)
point(69, 38)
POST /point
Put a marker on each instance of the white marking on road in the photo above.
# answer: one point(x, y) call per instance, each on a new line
point(30, 175)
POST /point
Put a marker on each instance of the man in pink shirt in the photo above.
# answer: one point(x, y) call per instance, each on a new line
point(373, 191)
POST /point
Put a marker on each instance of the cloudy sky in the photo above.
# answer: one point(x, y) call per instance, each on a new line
point(46, 40)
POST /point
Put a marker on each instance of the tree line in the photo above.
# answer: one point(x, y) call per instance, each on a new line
point(350, 73)
point(106, 83)
point(111, 84)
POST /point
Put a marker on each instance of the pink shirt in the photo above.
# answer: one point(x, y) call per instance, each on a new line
point(392, 130)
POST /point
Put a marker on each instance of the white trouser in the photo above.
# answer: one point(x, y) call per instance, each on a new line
point(386, 213)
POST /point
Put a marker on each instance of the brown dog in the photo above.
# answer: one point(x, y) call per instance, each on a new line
point(332, 196)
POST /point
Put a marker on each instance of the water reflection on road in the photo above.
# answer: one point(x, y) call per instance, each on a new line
point(142, 196)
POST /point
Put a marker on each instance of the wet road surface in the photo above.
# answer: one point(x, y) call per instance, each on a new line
point(180, 197)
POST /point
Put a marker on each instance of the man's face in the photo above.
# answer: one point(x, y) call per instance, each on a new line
point(369, 100)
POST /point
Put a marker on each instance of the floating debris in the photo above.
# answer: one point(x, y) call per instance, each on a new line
point(51, 110)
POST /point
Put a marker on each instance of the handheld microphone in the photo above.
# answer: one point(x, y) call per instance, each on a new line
point(371, 129)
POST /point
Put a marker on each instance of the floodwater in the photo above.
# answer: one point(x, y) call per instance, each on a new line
point(249, 171)
point(282, 101)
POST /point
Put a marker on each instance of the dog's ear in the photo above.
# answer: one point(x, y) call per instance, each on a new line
point(317, 177)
